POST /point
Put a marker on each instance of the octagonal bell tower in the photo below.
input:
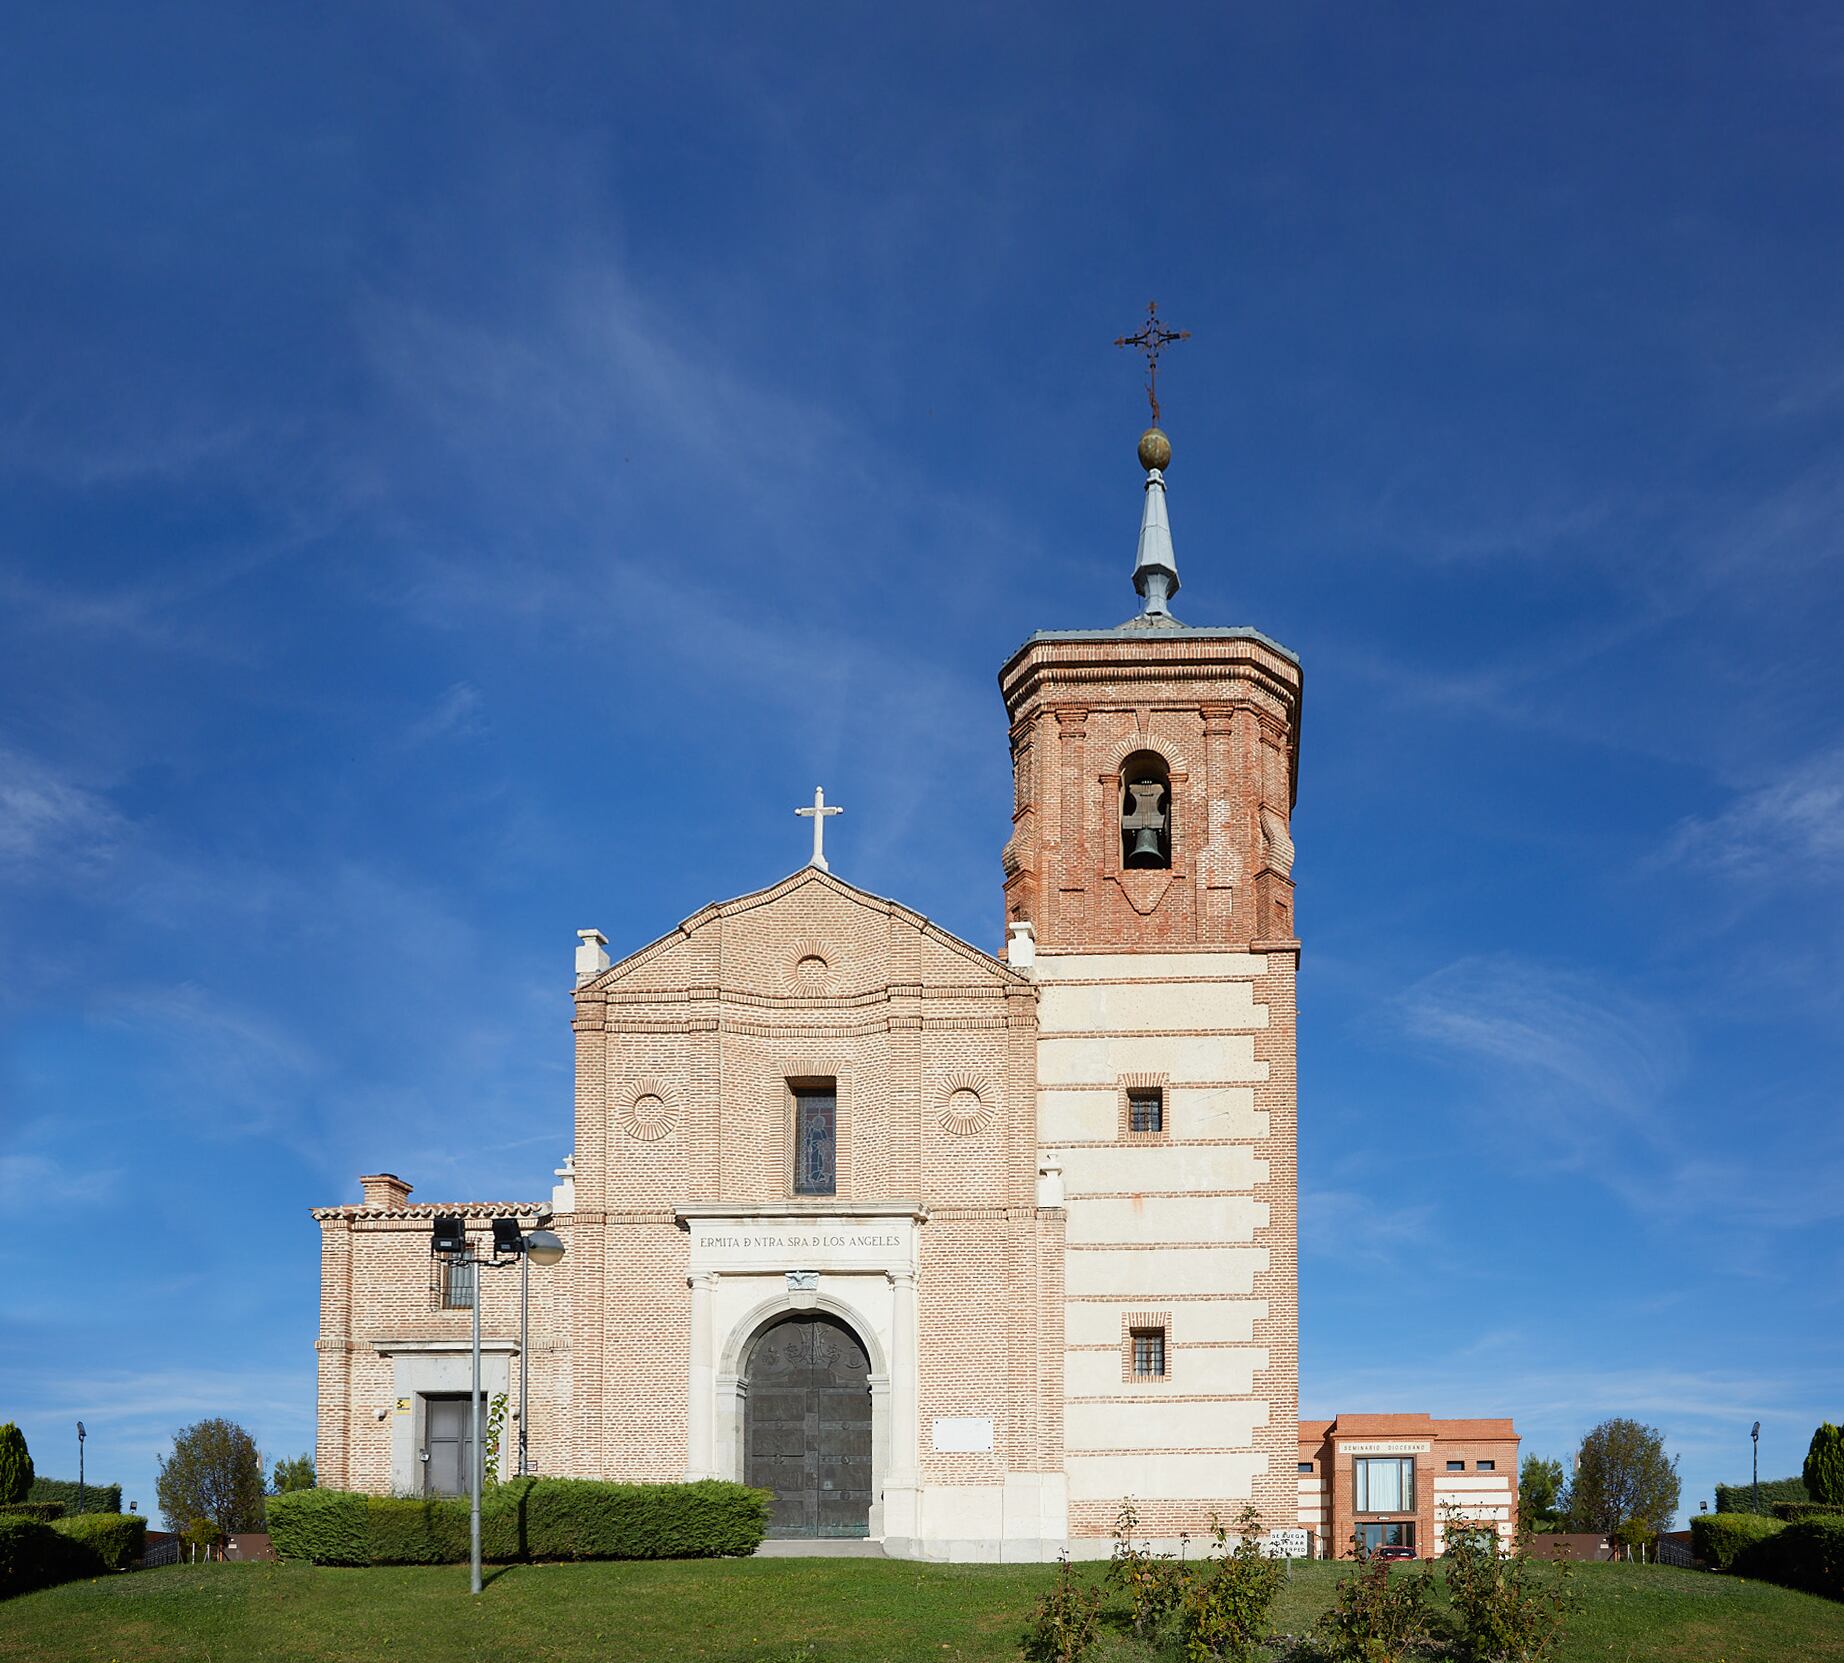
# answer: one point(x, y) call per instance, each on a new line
point(1149, 888)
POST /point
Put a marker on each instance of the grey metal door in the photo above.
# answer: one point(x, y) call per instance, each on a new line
point(445, 1446)
point(807, 1427)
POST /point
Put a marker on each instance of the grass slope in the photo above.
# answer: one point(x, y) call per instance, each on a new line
point(771, 1611)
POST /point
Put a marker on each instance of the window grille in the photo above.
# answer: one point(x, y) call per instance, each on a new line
point(1146, 1110)
point(1149, 1353)
point(457, 1284)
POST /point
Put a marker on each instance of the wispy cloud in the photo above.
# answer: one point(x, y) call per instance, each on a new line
point(457, 714)
point(1789, 829)
point(1573, 1049)
point(1569, 1072)
point(50, 825)
point(1347, 1225)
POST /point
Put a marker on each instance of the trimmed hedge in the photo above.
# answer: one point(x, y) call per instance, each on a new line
point(97, 1498)
point(1739, 1498)
point(1808, 1555)
point(531, 1518)
point(325, 1526)
point(116, 1540)
point(35, 1555)
point(1791, 1510)
point(1720, 1539)
point(43, 1511)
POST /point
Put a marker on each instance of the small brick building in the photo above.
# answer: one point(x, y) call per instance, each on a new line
point(950, 1249)
point(1394, 1480)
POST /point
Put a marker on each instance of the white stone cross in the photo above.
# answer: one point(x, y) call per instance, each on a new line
point(819, 813)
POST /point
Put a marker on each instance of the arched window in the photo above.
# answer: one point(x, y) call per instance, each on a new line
point(1145, 811)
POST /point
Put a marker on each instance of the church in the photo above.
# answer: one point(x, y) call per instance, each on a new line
point(951, 1251)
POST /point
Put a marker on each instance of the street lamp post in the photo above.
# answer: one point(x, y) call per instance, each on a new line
point(1756, 1435)
point(81, 1435)
point(509, 1242)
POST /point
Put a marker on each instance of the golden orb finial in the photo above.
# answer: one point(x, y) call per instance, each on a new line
point(1155, 450)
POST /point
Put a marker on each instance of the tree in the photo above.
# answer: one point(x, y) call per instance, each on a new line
point(1824, 1469)
point(15, 1464)
point(1539, 1492)
point(215, 1475)
point(297, 1474)
point(1623, 1477)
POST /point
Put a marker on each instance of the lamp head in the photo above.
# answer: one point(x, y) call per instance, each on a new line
point(508, 1238)
point(1756, 1433)
point(544, 1247)
point(81, 1434)
point(448, 1235)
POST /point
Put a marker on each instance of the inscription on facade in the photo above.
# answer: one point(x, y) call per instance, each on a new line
point(802, 1244)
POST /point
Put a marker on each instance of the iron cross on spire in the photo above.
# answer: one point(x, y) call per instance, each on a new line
point(1151, 339)
point(819, 814)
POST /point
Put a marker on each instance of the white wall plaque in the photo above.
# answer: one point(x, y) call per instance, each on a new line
point(963, 1434)
point(1384, 1446)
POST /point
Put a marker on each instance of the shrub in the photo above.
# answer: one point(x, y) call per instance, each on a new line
point(1739, 1498)
point(326, 1526)
point(529, 1518)
point(1063, 1624)
point(15, 1464)
point(97, 1498)
point(1786, 1511)
point(1719, 1538)
point(1808, 1555)
point(1824, 1468)
point(1154, 1583)
point(1376, 1619)
point(1224, 1614)
point(409, 1532)
point(1513, 1608)
point(43, 1511)
point(33, 1555)
point(116, 1540)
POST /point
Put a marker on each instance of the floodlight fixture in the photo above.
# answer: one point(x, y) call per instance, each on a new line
point(508, 1238)
point(449, 1236)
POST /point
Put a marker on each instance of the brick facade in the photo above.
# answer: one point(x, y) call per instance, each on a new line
point(1462, 1468)
point(998, 1226)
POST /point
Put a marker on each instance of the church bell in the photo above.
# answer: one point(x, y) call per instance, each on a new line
point(1144, 823)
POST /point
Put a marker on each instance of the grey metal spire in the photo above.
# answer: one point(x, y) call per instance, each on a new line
point(1155, 567)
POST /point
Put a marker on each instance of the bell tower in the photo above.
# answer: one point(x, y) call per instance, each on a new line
point(1149, 890)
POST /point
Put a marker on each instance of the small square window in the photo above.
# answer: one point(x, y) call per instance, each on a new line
point(1485, 1466)
point(1456, 1466)
point(1306, 1466)
point(1146, 1109)
point(1149, 1353)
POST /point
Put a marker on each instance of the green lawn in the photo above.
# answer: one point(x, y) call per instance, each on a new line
point(770, 1611)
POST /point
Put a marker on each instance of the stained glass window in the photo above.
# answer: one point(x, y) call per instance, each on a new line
point(816, 1123)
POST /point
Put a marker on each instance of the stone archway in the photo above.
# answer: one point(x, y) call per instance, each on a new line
point(807, 1426)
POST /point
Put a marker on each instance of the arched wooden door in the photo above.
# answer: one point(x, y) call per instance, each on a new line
point(807, 1427)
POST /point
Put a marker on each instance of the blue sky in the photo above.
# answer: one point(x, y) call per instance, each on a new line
point(465, 474)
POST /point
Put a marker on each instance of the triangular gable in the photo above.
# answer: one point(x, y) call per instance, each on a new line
point(983, 963)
